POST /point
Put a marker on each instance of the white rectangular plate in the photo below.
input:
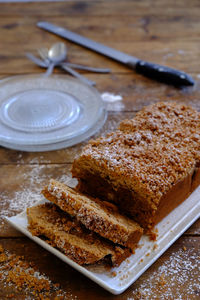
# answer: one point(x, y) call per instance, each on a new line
point(169, 230)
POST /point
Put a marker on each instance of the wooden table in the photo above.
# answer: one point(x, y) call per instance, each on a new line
point(166, 32)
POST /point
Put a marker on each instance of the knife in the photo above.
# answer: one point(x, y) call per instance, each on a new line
point(148, 69)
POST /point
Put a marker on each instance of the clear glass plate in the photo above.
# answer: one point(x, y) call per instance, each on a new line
point(40, 113)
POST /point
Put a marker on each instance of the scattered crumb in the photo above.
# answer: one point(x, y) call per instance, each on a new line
point(153, 234)
point(113, 274)
point(162, 280)
point(184, 248)
point(3, 257)
point(141, 260)
point(10, 296)
point(20, 275)
point(148, 254)
point(1, 248)
point(155, 247)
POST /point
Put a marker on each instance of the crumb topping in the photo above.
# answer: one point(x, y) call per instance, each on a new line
point(150, 153)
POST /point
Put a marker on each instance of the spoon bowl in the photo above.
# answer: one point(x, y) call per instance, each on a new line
point(57, 53)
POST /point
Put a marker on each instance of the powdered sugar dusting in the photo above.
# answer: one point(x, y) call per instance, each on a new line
point(35, 160)
point(108, 97)
point(112, 102)
point(166, 282)
point(34, 178)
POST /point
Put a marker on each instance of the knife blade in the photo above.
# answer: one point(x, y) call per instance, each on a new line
point(148, 69)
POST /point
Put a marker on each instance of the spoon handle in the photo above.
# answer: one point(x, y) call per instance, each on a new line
point(76, 74)
point(49, 70)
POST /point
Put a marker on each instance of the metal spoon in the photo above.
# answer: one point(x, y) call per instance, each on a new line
point(55, 56)
point(59, 52)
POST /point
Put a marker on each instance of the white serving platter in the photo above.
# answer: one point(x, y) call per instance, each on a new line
point(169, 230)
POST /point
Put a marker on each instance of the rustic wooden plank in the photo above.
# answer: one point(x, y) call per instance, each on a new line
point(125, 31)
point(173, 276)
point(17, 63)
point(108, 8)
point(168, 37)
point(182, 53)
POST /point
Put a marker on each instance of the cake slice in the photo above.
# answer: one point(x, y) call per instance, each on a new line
point(148, 166)
point(65, 233)
point(95, 214)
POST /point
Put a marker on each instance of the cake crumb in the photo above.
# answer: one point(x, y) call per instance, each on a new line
point(184, 248)
point(155, 246)
point(162, 280)
point(23, 276)
point(10, 296)
point(3, 257)
point(1, 248)
point(113, 274)
point(153, 234)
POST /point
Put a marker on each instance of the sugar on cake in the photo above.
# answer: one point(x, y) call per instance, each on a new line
point(94, 214)
point(73, 239)
point(148, 166)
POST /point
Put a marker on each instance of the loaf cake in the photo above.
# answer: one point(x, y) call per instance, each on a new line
point(71, 237)
point(148, 166)
point(96, 215)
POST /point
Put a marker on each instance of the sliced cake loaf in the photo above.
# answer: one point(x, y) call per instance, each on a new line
point(95, 214)
point(148, 166)
point(68, 235)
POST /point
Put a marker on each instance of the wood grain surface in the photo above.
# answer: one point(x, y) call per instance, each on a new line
point(165, 32)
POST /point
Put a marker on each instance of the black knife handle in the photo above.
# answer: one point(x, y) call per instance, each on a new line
point(163, 73)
